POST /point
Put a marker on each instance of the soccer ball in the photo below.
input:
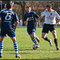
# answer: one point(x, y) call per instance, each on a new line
point(35, 46)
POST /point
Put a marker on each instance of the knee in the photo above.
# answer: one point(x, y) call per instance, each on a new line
point(43, 36)
point(32, 37)
point(54, 34)
point(13, 39)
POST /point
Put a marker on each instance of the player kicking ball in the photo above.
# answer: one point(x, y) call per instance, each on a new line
point(30, 17)
point(50, 24)
point(9, 21)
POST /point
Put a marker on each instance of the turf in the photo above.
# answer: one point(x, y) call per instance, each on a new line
point(45, 52)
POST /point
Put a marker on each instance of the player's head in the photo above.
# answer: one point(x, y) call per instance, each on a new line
point(28, 9)
point(8, 5)
point(49, 7)
point(4, 6)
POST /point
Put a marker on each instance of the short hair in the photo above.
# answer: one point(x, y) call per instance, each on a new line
point(27, 6)
point(49, 5)
point(8, 6)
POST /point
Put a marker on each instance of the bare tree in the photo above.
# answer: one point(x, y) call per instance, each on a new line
point(22, 4)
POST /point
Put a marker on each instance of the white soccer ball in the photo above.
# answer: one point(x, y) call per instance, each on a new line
point(35, 46)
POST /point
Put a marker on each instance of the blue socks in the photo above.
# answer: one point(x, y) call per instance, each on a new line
point(34, 41)
point(16, 47)
point(1, 48)
point(36, 37)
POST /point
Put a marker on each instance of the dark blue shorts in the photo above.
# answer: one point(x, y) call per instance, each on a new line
point(10, 33)
point(30, 30)
point(48, 27)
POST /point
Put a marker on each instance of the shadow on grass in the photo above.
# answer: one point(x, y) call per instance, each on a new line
point(33, 59)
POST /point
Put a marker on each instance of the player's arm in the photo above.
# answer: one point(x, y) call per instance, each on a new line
point(0, 21)
point(16, 21)
point(58, 17)
point(38, 19)
point(58, 23)
point(25, 19)
point(16, 24)
point(42, 14)
point(0, 18)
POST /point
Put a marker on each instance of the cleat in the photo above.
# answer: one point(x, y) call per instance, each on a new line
point(57, 48)
point(18, 56)
point(0, 56)
point(50, 43)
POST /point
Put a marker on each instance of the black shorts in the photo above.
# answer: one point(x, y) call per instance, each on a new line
point(10, 33)
point(48, 27)
point(30, 30)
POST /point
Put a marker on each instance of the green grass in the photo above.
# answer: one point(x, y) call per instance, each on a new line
point(25, 46)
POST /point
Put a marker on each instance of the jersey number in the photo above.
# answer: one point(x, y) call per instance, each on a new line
point(8, 16)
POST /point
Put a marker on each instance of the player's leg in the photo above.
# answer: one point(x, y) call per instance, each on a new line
point(33, 38)
point(55, 39)
point(12, 35)
point(32, 35)
point(36, 37)
point(15, 46)
point(1, 46)
point(2, 35)
point(38, 40)
point(46, 38)
point(44, 33)
point(53, 31)
point(31, 32)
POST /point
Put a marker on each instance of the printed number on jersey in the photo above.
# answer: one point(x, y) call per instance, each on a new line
point(8, 16)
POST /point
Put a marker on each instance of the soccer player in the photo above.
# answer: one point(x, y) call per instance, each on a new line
point(9, 21)
point(4, 7)
point(50, 24)
point(30, 17)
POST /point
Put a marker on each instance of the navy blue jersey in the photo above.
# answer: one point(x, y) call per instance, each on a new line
point(31, 19)
point(8, 18)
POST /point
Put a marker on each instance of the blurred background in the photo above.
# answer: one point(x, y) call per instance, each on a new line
point(38, 6)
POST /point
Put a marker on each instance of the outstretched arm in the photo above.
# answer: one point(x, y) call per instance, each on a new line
point(26, 21)
point(58, 17)
point(16, 24)
point(0, 21)
point(58, 23)
point(39, 19)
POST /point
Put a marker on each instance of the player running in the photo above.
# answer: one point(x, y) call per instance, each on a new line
point(31, 26)
point(50, 24)
point(9, 21)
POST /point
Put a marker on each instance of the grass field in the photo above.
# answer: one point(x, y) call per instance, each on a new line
point(45, 52)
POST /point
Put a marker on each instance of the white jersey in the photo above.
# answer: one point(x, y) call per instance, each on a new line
point(50, 17)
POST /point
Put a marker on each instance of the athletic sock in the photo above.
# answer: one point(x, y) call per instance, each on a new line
point(1, 48)
point(34, 41)
point(16, 47)
point(47, 39)
point(36, 37)
point(56, 43)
